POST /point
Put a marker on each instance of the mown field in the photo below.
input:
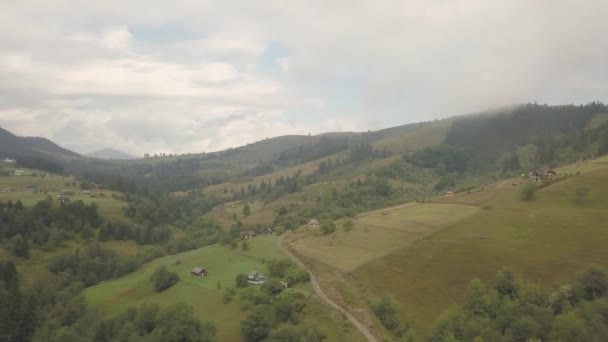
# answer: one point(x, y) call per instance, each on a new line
point(375, 234)
point(546, 240)
point(424, 255)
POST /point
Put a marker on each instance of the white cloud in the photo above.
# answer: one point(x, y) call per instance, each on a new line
point(116, 39)
point(95, 67)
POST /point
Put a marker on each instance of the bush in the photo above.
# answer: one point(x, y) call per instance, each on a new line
point(328, 227)
point(387, 312)
point(241, 280)
point(163, 279)
point(257, 324)
point(348, 225)
point(527, 192)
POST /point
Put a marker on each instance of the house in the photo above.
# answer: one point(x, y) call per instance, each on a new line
point(268, 231)
point(543, 173)
point(284, 284)
point(199, 272)
point(9, 161)
point(31, 187)
point(313, 223)
point(63, 199)
point(8, 190)
point(256, 278)
point(18, 173)
point(449, 193)
point(247, 234)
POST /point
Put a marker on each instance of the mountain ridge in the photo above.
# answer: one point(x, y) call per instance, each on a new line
point(110, 153)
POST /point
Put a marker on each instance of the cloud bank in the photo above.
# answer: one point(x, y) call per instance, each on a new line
point(191, 76)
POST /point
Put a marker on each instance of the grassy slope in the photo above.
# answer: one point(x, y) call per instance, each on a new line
point(375, 234)
point(391, 251)
point(109, 207)
point(545, 240)
point(223, 264)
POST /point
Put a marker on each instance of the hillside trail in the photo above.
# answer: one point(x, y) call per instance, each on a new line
point(322, 295)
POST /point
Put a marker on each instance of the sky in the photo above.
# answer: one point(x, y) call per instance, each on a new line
point(146, 76)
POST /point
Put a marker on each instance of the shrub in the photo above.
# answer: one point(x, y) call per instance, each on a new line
point(527, 192)
point(163, 279)
point(241, 280)
point(387, 312)
point(348, 225)
point(328, 227)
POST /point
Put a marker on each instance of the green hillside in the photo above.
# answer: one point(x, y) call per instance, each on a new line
point(205, 294)
point(546, 240)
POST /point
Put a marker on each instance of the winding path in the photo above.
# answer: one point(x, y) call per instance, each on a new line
point(323, 296)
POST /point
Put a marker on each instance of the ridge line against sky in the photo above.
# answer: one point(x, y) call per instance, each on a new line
point(193, 76)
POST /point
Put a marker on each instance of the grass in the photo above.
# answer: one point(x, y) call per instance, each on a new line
point(425, 254)
point(222, 263)
point(546, 240)
point(375, 234)
point(51, 185)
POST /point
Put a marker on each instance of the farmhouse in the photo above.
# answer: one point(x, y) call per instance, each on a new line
point(449, 193)
point(9, 161)
point(268, 231)
point(256, 278)
point(199, 272)
point(63, 199)
point(8, 190)
point(247, 234)
point(313, 223)
point(543, 173)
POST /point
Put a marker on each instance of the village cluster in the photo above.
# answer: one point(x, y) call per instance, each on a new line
point(536, 176)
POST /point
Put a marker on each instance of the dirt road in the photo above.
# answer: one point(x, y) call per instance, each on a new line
point(322, 295)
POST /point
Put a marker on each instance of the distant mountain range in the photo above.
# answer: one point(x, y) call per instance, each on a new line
point(110, 153)
point(12, 146)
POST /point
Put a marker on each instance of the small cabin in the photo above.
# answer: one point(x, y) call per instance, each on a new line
point(63, 199)
point(256, 278)
point(449, 193)
point(198, 272)
point(248, 234)
point(313, 223)
point(541, 174)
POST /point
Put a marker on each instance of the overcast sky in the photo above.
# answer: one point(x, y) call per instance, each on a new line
point(191, 76)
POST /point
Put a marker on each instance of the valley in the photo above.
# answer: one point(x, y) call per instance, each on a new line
point(405, 218)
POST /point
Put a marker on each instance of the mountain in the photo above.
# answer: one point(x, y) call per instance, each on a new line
point(110, 153)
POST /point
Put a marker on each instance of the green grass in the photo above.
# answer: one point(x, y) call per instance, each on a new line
point(546, 240)
point(222, 263)
point(51, 185)
point(375, 234)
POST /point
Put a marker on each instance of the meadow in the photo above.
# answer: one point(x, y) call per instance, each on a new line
point(546, 240)
point(205, 294)
point(374, 234)
point(424, 255)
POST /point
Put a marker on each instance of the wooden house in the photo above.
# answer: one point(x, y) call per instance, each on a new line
point(313, 223)
point(198, 272)
point(543, 173)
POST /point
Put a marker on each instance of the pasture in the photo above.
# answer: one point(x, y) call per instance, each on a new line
point(222, 263)
point(203, 293)
point(375, 234)
point(51, 185)
point(546, 240)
